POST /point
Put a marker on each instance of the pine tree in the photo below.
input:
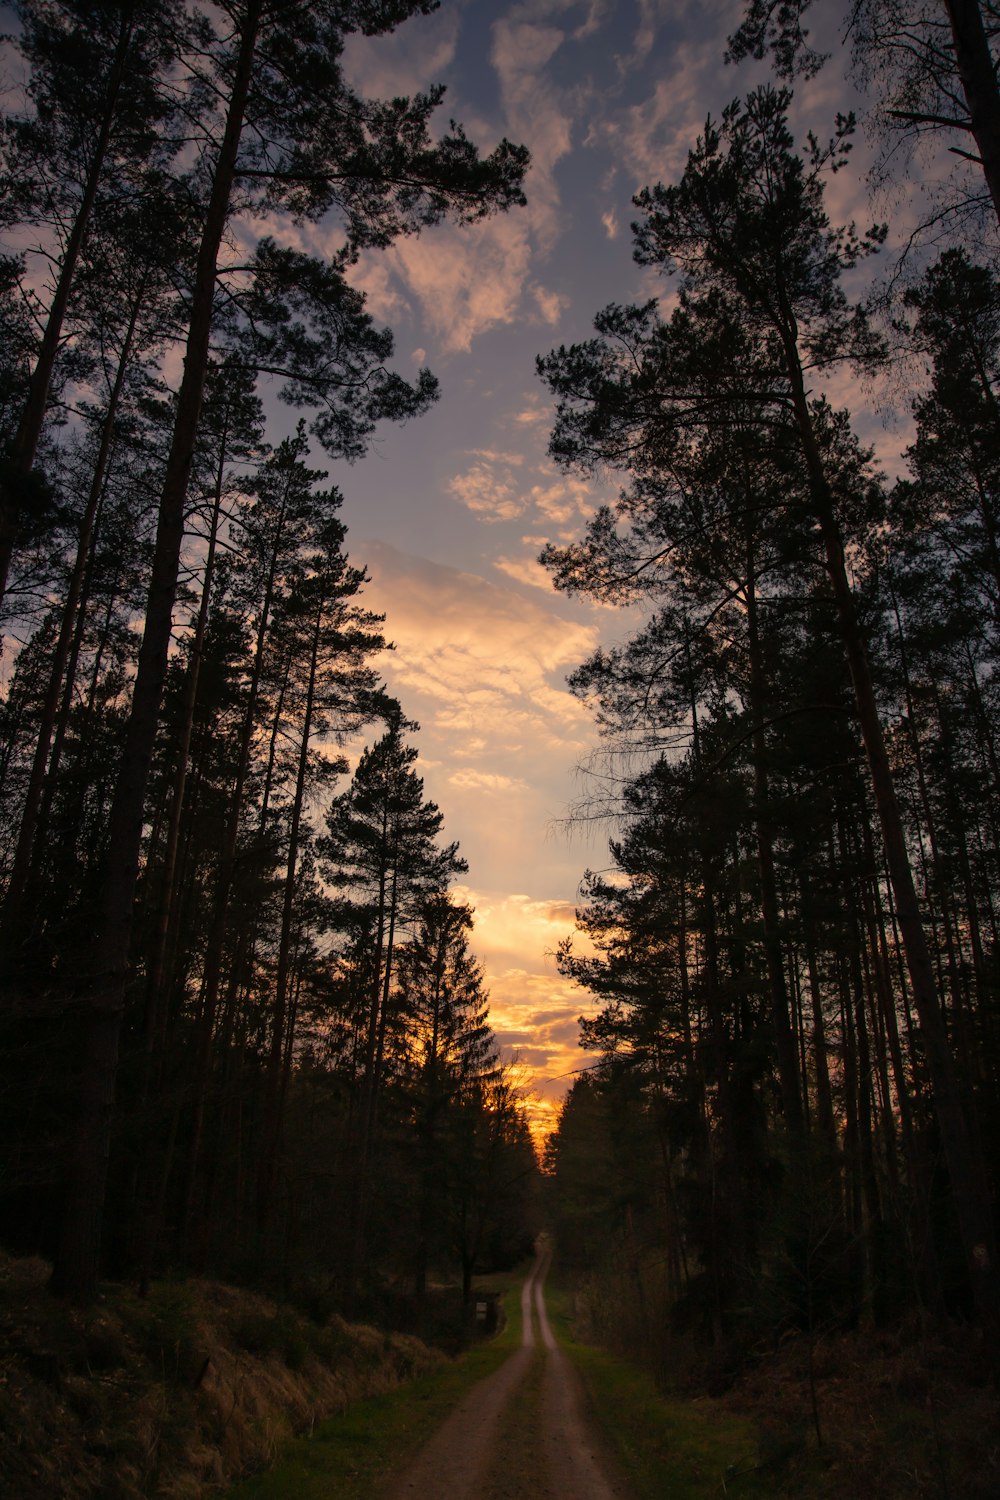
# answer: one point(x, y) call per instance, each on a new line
point(746, 228)
point(315, 148)
point(381, 855)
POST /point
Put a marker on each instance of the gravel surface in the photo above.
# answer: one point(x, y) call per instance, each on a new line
point(520, 1434)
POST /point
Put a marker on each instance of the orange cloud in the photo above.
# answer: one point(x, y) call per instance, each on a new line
point(479, 653)
point(526, 570)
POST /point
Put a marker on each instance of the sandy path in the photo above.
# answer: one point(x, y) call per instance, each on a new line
point(520, 1434)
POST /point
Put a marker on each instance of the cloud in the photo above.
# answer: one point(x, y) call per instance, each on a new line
point(526, 570)
point(479, 654)
point(610, 222)
point(652, 138)
point(402, 62)
point(536, 112)
point(495, 489)
point(466, 279)
point(470, 280)
point(551, 305)
point(534, 413)
point(596, 15)
point(534, 1012)
point(654, 15)
point(489, 489)
point(510, 925)
point(645, 36)
point(510, 456)
point(564, 499)
point(487, 781)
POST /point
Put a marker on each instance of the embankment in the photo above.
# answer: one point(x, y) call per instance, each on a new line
point(172, 1396)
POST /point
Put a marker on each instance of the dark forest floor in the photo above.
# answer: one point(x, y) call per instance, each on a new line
point(902, 1412)
point(909, 1411)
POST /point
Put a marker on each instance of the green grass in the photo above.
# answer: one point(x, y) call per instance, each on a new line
point(348, 1455)
point(681, 1449)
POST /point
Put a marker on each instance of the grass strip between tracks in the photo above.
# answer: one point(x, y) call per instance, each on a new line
point(684, 1449)
point(348, 1455)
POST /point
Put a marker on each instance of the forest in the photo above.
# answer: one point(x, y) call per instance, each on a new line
point(793, 955)
point(244, 1032)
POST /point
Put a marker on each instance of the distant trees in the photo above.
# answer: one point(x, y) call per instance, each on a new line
point(795, 996)
point(382, 855)
point(194, 654)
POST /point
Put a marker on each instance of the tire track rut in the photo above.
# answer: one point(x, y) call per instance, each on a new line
point(520, 1434)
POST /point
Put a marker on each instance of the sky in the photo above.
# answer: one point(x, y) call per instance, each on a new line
point(450, 512)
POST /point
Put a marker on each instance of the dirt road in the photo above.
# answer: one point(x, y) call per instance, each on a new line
point(521, 1434)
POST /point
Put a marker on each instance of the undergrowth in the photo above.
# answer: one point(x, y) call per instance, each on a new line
point(172, 1396)
point(904, 1413)
point(348, 1455)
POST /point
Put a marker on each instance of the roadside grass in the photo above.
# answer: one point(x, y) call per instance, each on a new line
point(684, 1449)
point(347, 1456)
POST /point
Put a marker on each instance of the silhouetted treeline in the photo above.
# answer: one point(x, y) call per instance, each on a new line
point(795, 958)
point(242, 1029)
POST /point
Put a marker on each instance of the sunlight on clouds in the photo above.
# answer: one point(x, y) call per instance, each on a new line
point(521, 48)
point(534, 414)
point(487, 781)
point(492, 490)
point(650, 15)
point(551, 305)
point(653, 138)
point(499, 456)
point(534, 1013)
point(373, 277)
point(534, 1010)
point(527, 570)
point(510, 925)
point(467, 279)
point(610, 222)
point(565, 499)
point(478, 651)
point(494, 497)
point(596, 16)
point(535, 113)
point(655, 14)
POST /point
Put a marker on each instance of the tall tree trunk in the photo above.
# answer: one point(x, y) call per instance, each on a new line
point(820, 1050)
point(979, 85)
point(65, 710)
point(155, 998)
point(273, 1073)
point(77, 1261)
point(788, 1072)
point(965, 1168)
point(25, 445)
point(60, 657)
point(227, 861)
